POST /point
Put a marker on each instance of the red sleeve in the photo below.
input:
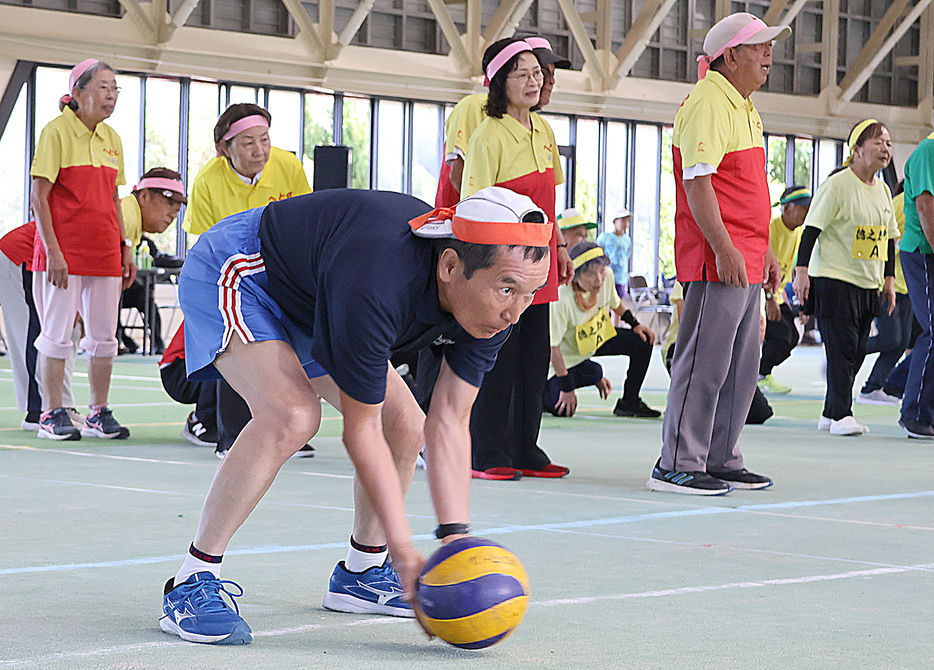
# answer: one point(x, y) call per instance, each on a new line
point(17, 244)
point(176, 348)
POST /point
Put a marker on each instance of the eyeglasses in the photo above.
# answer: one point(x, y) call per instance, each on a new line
point(523, 77)
point(105, 89)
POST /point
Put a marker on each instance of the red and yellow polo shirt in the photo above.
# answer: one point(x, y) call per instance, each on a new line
point(218, 191)
point(503, 152)
point(85, 168)
point(719, 132)
point(465, 118)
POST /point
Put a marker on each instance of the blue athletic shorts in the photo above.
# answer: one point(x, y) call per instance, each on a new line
point(222, 292)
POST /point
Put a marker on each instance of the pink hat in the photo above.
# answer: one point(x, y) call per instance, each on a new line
point(736, 29)
point(75, 75)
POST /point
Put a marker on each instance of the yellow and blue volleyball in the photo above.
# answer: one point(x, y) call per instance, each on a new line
point(473, 593)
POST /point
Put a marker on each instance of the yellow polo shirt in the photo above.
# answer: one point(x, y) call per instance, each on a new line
point(503, 152)
point(132, 219)
point(899, 203)
point(785, 246)
point(85, 168)
point(465, 118)
point(218, 191)
point(718, 132)
point(856, 221)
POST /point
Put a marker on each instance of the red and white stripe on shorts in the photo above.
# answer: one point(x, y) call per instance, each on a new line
point(228, 295)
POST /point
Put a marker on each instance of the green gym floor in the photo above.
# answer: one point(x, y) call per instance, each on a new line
point(833, 567)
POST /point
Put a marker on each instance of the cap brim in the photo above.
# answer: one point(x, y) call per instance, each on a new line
point(549, 57)
point(770, 34)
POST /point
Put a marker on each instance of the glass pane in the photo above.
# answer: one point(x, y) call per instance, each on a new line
point(666, 209)
point(645, 209)
point(202, 115)
point(426, 151)
point(390, 152)
point(319, 128)
point(51, 84)
point(588, 164)
point(285, 132)
point(617, 171)
point(826, 159)
point(13, 171)
point(560, 126)
point(162, 105)
point(125, 120)
point(775, 165)
point(804, 151)
point(355, 130)
point(244, 94)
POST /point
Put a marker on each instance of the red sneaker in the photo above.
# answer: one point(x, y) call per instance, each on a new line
point(551, 471)
point(497, 474)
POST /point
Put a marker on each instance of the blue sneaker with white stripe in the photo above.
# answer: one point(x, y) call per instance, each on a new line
point(197, 612)
point(374, 591)
point(691, 483)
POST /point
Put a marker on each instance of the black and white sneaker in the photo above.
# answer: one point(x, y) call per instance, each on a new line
point(31, 422)
point(916, 429)
point(693, 483)
point(307, 451)
point(742, 479)
point(196, 433)
point(56, 425)
point(638, 409)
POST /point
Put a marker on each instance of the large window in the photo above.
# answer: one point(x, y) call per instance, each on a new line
point(12, 177)
point(608, 164)
point(427, 143)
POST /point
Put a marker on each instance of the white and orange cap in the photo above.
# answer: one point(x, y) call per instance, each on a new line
point(492, 215)
point(736, 29)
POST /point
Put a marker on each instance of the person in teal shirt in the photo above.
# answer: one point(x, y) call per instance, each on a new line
point(618, 247)
point(917, 416)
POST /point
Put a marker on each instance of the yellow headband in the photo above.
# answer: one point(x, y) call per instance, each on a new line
point(857, 131)
point(588, 255)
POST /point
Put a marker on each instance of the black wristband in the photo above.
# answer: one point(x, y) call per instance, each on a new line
point(629, 318)
point(445, 529)
point(561, 245)
point(565, 383)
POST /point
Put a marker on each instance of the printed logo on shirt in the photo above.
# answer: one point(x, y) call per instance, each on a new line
point(111, 152)
point(700, 146)
point(282, 196)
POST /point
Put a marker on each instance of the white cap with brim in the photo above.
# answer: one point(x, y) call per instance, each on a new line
point(492, 215)
point(736, 29)
point(621, 213)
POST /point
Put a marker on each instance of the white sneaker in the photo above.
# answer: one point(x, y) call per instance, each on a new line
point(76, 417)
point(823, 423)
point(420, 461)
point(878, 397)
point(847, 426)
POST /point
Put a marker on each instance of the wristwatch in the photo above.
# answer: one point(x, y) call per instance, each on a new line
point(769, 295)
point(128, 243)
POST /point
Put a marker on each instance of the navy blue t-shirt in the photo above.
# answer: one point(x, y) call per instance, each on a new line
point(345, 266)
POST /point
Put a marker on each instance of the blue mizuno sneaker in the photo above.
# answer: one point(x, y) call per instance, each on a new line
point(196, 611)
point(374, 591)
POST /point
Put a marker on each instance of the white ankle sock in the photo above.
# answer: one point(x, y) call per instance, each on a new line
point(192, 565)
point(358, 561)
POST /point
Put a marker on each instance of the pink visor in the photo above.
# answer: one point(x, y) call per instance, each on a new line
point(75, 75)
point(747, 31)
point(503, 57)
point(246, 122)
point(538, 43)
point(161, 183)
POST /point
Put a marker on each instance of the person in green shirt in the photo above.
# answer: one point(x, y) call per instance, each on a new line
point(917, 258)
